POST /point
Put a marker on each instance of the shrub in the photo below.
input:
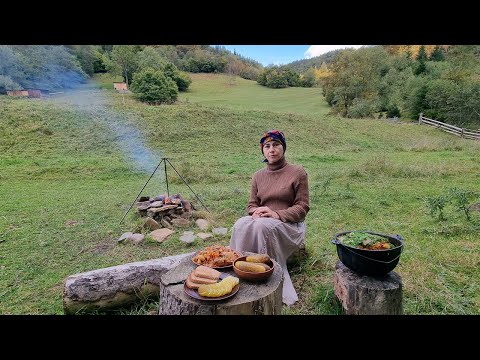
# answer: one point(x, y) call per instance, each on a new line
point(183, 81)
point(360, 108)
point(153, 87)
point(393, 111)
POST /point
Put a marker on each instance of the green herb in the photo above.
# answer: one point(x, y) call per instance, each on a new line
point(356, 238)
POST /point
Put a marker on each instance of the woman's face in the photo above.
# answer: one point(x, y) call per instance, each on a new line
point(273, 151)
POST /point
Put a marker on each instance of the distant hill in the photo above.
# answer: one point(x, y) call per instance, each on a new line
point(210, 59)
point(301, 66)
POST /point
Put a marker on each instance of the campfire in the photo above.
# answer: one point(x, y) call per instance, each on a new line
point(167, 211)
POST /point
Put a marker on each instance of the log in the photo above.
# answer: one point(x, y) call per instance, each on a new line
point(116, 286)
point(252, 298)
point(368, 295)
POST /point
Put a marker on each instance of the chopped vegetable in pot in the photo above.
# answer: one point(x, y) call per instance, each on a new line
point(366, 241)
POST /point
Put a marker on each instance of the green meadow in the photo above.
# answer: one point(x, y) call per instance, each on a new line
point(69, 173)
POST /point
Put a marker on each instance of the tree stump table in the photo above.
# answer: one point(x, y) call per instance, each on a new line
point(368, 295)
point(252, 298)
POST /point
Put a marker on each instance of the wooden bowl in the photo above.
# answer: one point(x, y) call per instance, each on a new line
point(253, 276)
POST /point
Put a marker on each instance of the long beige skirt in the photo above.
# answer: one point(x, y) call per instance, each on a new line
point(273, 237)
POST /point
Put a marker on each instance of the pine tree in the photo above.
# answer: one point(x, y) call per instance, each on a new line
point(422, 54)
point(437, 54)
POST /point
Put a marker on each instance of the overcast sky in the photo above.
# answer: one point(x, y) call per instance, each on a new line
point(283, 54)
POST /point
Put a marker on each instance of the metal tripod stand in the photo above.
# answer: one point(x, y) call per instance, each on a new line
point(164, 160)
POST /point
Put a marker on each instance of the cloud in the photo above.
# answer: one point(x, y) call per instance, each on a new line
point(316, 50)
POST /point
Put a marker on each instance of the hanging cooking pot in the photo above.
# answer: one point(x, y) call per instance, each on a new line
point(370, 262)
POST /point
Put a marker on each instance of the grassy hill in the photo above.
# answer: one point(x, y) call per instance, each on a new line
point(71, 165)
point(240, 94)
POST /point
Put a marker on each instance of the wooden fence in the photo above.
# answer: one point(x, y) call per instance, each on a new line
point(464, 133)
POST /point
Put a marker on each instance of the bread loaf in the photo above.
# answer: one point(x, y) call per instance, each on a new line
point(207, 273)
point(190, 284)
point(249, 267)
point(267, 267)
point(201, 280)
point(259, 258)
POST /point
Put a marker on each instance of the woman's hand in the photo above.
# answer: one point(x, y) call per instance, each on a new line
point(264, 211)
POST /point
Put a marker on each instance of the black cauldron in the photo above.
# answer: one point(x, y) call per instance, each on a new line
point(370, 262)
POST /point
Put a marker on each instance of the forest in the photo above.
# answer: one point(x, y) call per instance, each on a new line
point(382, 81)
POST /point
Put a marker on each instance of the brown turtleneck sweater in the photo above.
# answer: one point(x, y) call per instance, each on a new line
point(283, 188)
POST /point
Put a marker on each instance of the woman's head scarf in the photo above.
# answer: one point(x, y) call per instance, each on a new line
point(272, 135)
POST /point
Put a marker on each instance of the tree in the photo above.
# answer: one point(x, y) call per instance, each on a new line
point(125, 61)
point(87, 55)
point(438, 54)
point(43, 66)
point(308, 79)
point(421, 60)
point(355, 74)
point(10, 72)
point(322, 72)
point(154, 87)
point(150, 58)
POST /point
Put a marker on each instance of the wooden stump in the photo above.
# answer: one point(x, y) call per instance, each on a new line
point(252, 298)
point(368, 295)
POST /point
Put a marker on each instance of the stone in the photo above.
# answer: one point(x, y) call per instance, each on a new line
point(136, 238)
point(181, 222)
point(188, 237)
point(165, 223)
point(161, 235)
point(124, 236)
point(204, 236)
point(151, 224)
point(220, 231)
point(156, 204)
point(202, 224)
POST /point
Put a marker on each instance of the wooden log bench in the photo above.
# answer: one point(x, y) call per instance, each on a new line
point(252, 298)
point(116, 286)
point(368, 295)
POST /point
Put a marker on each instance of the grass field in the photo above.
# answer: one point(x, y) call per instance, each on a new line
point(71, 165)
point(240, 94)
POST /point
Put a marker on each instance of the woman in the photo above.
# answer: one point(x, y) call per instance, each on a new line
point(279, 201)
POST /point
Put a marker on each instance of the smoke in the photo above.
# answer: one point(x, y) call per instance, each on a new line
point(95, 105)
point(132, 143)
point(47, 67)
point(57, 77)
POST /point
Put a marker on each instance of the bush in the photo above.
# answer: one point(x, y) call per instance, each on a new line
point(183, 81)
point(393, 111)
point(360, 108)
point(153, 87)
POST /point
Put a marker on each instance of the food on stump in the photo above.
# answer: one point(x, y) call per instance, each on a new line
point(215, 256)
point(202, 275)
point(250, 267)
point(267, 267)
point(201, 280)
point(259, 258)
point(190, 284)
point(221, 288)
point(206, 272)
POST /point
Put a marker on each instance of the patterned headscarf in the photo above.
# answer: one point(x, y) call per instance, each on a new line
point(271, 135)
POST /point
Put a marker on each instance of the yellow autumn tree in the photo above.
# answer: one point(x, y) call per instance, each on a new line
point(322, 72)
point(413, 49)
